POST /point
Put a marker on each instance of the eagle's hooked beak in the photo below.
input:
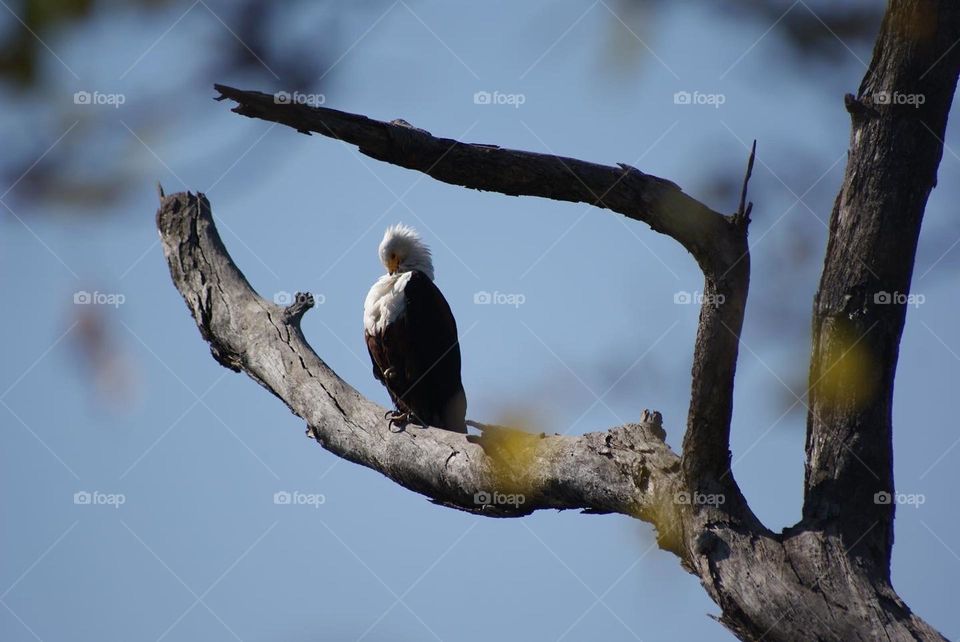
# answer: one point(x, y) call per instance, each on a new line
point(393, 265)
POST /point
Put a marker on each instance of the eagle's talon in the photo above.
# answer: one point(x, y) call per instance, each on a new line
point(397, 418)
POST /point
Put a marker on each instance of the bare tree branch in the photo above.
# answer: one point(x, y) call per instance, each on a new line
point(598, 472)
point(827, 577)
point(656, 201)
point(765, 583)
point(899, 119)
point(717, 242)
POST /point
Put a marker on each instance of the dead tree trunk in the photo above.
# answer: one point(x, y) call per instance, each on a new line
point(825, 578)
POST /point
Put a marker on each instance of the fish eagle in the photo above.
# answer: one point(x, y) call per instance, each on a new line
point(411, 335)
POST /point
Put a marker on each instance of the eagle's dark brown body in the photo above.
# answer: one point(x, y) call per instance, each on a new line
point(417, 354)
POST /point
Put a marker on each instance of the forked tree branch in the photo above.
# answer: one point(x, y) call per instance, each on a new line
point(718, 242)
point(812, 581)
point(628, 470)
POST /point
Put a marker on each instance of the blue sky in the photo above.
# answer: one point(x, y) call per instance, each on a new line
point(199, 550)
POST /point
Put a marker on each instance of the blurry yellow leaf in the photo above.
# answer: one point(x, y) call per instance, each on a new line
point(848, 370)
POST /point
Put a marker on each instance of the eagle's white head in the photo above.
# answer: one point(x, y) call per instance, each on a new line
point(402, 250)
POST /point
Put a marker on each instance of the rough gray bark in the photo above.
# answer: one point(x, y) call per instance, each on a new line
point(628, 470)
point(825, 578)
point(624, 189)
point(894, 154)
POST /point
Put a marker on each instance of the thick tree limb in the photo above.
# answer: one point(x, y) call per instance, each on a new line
point(899, 119)
point(765, 583)
point(656, 201)
point(628, 470)
point(717, 242)
point(827, 578)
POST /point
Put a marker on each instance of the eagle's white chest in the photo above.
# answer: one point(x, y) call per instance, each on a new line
point(385, 302)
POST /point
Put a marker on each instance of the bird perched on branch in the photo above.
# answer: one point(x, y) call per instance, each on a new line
point(412, 336)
